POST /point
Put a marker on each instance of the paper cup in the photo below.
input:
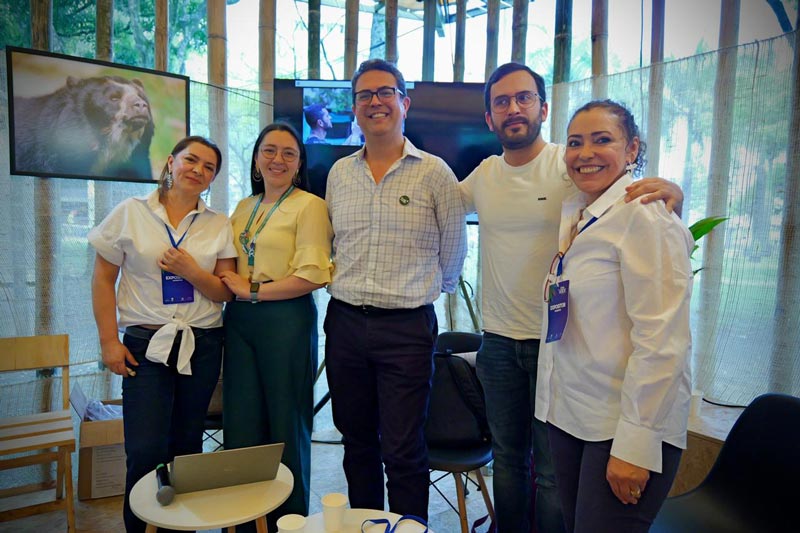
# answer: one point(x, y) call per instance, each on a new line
point(291, 523)
point(333, 506)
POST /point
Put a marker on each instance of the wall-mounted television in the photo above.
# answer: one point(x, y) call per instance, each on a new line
point(77, 118)
point(445, 119)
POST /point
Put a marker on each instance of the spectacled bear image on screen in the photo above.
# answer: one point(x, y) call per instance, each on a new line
point(72, 117)
point(99, 126)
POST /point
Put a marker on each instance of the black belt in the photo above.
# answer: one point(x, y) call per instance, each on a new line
point(371, 310)
point(140, 332)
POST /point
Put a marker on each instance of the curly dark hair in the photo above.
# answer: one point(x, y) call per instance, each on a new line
point(626, 122)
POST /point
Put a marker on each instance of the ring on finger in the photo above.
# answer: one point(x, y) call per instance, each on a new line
point(636, 493)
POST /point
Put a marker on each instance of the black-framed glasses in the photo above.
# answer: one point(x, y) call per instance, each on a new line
point(384, 94)
point(288, 155)
point(524, 99)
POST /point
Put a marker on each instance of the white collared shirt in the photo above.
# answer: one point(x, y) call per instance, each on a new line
point(400, 243)
point(133, 237)
point(621, 370)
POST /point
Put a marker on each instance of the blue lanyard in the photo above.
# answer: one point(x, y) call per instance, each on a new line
point(559, 267)
point(248, 240)
point(172, 239)
point(389, 528)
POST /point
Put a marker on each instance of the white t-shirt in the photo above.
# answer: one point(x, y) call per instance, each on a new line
point(519, 209)
point(133, 237)
point(621, 369)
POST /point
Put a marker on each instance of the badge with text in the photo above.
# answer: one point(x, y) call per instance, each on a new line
point(557, 310)
point(175, 289)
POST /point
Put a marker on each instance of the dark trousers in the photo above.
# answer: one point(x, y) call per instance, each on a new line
point(163, 411)
point(268, 387)
point(379, 365)
point(587, 501)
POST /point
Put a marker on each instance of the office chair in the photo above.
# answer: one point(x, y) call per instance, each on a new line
point(753, 485)
point(456, 459)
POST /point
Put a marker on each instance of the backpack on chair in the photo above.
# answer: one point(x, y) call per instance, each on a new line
point(457, 410)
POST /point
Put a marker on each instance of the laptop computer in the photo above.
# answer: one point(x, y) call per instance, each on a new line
point(203, 471)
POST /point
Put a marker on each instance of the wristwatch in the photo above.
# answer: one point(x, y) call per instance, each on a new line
point(254, 292)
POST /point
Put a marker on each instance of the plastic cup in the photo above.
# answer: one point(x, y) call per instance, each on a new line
point(291, 523)
point(333, 506)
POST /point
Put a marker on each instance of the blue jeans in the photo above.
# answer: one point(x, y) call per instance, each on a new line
point(507, 371)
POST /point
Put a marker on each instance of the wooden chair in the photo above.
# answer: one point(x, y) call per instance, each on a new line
point(49, 436)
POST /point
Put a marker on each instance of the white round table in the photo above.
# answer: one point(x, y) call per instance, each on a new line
point(353, 518)
point(214, 508)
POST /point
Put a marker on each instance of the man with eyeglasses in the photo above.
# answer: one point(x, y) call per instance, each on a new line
point(518, 196)
point(399, 242)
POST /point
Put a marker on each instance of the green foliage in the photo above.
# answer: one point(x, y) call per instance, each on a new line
point(700, 229)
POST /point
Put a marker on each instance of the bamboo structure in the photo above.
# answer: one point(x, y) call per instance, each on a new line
point(218, 98)
point(350, 37)
point(314, 7)
point(428, 39)
point(492, 24)
point(266, 59)
point(562, 53)
point(720, 165)
point(656, 88)
point(519, 30)
point(391, 31)
point(787, 314)
point(162, 35)
point(599, 49)
point(461, 34)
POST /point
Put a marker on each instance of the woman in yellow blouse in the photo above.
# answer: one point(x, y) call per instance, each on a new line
point(283, 238)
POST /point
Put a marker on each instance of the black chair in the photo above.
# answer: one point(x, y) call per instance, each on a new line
point(755, 481)
point(459, 461)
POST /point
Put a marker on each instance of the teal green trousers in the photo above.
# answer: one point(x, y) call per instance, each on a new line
point(269, 366)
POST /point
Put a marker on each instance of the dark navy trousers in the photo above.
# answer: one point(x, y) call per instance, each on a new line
point(379, 364)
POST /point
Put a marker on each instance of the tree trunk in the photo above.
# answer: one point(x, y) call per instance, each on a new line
point(350, 38)
point(656, 92)
point(391, 31)
point(266, 59)
point(428, 39)
point(519, 30)
point(461, 32)
point(492, 24)
point(162, 35)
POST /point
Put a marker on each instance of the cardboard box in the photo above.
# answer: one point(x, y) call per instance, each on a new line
point(101, 452)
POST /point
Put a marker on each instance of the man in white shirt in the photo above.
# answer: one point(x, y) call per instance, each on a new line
point(518, 196)
point(399, 242)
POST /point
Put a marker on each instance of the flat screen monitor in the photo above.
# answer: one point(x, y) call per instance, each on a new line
point(445, 119)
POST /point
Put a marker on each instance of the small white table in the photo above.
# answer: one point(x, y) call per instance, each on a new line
point(353, 518)
point(214, 508)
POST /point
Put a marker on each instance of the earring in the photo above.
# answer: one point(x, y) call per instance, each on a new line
point(168, 181)
point(296, 179)
point(257, 175)
point(631, 166)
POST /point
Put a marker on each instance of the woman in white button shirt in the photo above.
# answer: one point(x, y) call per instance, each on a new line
point(166, 248)
point(614, 388)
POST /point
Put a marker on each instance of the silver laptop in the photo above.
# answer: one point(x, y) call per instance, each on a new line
point(203, 471)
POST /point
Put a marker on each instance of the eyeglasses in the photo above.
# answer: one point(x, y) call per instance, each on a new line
point(385, 94)
point(288, 155)
point(524, 99)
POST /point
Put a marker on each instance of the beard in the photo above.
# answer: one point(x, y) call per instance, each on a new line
point(515, 141)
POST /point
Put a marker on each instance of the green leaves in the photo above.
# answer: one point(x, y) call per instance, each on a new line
point(703, 226)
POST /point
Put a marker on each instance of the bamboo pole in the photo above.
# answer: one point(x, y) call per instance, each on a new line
point(787, 309)
point(266, 59)
point(162, 35)
point(461, 33)
point(599, 49)
point(104, 32)
point(717, 199)
point(313, 39)
point(428, 39)
point(656, 88)
point(562, 53)
point(519, 30)
point(218, 96)
point(492, 25)
point(391, 31)
point(350, 38)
